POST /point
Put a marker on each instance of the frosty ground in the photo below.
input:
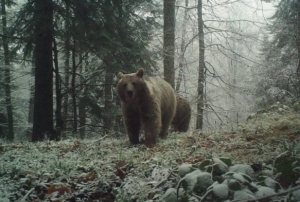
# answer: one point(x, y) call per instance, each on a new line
point(110, 169)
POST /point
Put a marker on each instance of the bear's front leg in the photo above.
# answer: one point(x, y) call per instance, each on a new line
point(152, 127)
point(132, 123)
point(133, 130)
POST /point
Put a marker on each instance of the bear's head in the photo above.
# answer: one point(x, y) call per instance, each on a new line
point(131, 87)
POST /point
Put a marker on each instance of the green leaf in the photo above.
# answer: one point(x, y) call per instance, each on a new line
point(170, 195)
point(296, 195)
point(219, 166)
point(190, 181)
point(184, 169)
point(227, 161)
point(196, 180)
point(234, 185)
point(263, 191)
point(248, 178)
point(204, 163)
point(204, 180)
point(240, 178)
point(284, 165)
point(212, 186)
point(221, 191)
point(243, 194)
point(269, 182)
point(261, 179)
point(228, 174)
point(253, 187)
point(241, 168)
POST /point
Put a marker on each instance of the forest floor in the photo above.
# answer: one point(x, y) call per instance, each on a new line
point(109, 169)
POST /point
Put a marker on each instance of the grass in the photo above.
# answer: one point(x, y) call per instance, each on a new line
point(109, 169)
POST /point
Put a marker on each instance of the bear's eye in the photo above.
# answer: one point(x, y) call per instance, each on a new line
point(133, 83)
point(125, 84)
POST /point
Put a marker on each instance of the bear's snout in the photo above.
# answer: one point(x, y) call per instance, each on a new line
point(130, 93)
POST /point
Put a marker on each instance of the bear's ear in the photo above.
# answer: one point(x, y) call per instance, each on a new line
point(140, 73)
point(120, 75)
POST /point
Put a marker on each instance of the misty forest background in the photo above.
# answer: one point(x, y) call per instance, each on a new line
point(59, 60)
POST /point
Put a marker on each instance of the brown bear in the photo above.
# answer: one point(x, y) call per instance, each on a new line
point(183, 114)
point(146, 101)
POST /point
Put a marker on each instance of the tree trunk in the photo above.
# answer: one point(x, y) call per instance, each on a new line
point(9, 108)
point(81, 101)
point(169, 41)
point(108, 102)
point(58, 116)
point(232, 88)
point(3, 124)
point(67, 63)
point(182, 48)
point(298, 47)
point(73, 87)
point(82, 113)
point(43, 99)
point(31, 105)
point(31, 97)
point(201, 71)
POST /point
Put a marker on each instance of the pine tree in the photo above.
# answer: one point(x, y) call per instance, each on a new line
point(281, 56)
point(101, 36)
point(43, 98)
point(7, 74)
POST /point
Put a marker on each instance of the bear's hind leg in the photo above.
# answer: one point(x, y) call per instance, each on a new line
point(183, 126)
point(166, 122)
point(168, 113)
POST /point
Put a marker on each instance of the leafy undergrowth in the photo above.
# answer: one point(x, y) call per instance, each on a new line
point(261, 158)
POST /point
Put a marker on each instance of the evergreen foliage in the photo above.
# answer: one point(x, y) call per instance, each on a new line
point(279, 80)
point(96, 39)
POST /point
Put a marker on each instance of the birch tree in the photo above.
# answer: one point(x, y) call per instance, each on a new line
point(181, 66)
point(201, 70)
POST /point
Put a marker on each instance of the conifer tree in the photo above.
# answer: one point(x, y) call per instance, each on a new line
point(281, 56)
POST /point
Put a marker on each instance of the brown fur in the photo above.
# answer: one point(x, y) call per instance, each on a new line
point(183, 114)
point(148, 102)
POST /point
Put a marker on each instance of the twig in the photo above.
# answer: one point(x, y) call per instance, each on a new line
point(100, 139)
point(26, 196)
point(93, 143)
point(206, 194)
point(164, 180)
point(269, 196)
point(175, 175)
